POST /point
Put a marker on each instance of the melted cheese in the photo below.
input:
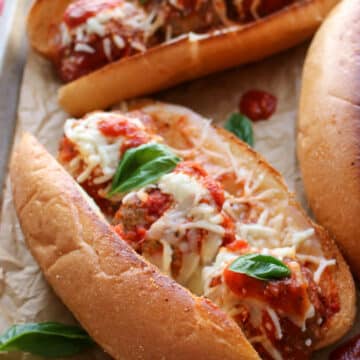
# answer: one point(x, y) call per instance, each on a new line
point(320, 261)
point(107, 48)
point(275, 319)
point(188, 214)
point(268, 226)
point(251, 231)
point(84, 48)
point(132, 17)
point(95, 149)
point(119, 41)
point(233, 305)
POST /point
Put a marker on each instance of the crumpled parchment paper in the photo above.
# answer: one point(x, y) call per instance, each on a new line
point(24, 294)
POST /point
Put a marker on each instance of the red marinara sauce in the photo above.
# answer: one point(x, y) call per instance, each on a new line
point(268, 7)
point(134, 219)
point(217, 193)
point(348, 351)
point(214, 187)
point(264, 8)
point(67, 150)
point(118, 125)
point(229, 227)
point(258, 105)
point(238, 245)
point(79, 11)
point(283, 295)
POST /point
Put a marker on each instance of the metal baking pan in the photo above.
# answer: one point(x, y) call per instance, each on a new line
point(13, 50)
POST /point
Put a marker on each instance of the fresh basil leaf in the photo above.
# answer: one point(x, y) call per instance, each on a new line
point(141, 166)
point(241, 126)
point(263, 267)
point(48, 339)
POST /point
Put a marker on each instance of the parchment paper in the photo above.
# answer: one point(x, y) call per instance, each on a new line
point(24, 295)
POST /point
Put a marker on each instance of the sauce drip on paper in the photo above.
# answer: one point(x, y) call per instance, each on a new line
point(258, 105)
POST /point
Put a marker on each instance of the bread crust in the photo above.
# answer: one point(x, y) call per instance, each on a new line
point(44, 16)
point(125, 304)
point(183, 59)
point(329, 126)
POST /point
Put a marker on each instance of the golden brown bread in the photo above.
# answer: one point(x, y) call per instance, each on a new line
point(43, 18)
point(329, 120)
point(124, 303)
point(111, 290)
point(181, 60)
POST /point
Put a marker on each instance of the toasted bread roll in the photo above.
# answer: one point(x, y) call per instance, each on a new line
point(124, 303)
point(185, 57)
point(329, 118)
point(132, 310)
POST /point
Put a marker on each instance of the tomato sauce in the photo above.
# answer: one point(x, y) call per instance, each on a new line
point(293, 345)
point(283, 295)
point(76, 58)
point(326, 301)
point(214, 187)
point(229, 226)
point(268, 7)
point(121, 126)
point(79, 11)
point(137, 235)
point(191, 168)
point(156, 205)
point(348, 351)
point(237, 246)
point(258, 105)
point(288, 299)
point(117, 125)
point(106, 206)
point(73, 64)
point(67, 150)
point(265, 8)
point(132, 220)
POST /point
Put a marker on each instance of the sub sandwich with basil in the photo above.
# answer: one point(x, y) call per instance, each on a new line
point(110, 50)
point(169, 238)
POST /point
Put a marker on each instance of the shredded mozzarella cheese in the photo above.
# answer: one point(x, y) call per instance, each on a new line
point(130, 16)
point(95, 149)
point(276, 321)
point(107, 48)
point(84, 48)
point(119, 41)
point(187, 214)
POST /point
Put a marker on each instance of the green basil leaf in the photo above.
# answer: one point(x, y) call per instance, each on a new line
point(263, 267)
point(141, 166)
point(241, 126)
point(48, 339)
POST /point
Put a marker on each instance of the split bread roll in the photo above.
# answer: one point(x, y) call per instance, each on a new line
point(125, 303)
point(184, 58)
point(329, 118)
